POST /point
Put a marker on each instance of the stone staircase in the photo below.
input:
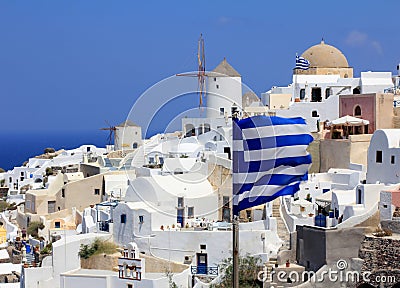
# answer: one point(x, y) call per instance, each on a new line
point(283, 233)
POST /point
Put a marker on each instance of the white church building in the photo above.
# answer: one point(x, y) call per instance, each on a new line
point(314, 93)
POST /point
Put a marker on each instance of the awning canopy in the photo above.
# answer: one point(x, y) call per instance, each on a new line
point(324, 200)
point(350, 120)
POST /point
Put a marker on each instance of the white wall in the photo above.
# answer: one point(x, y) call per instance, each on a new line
point(12, 230)
point(124, 233)
point(126, 136)
point(229, 92)
point(327, 110)
point(385, 200)
point(169, 244)
point(375, 82)
point(387, 141)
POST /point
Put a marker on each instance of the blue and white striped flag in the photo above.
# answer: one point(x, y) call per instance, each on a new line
point(269, 159)
point(302, 63)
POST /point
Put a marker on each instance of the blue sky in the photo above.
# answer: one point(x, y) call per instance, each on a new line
point(72, 65)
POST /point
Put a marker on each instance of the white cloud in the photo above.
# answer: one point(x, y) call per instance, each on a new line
point(360, 39)
point(377, 46)
point(224, 20)
point(356, 38)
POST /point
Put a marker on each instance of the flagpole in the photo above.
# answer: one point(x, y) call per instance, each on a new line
point(235, 228)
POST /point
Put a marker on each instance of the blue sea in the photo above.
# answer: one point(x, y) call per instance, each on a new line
point(17, 147)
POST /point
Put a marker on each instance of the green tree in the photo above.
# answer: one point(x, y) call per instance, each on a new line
point(249, 266)
point(33, 228)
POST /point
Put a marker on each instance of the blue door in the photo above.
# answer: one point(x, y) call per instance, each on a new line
point(201, 263)
point(180, 217)
point(320, 220)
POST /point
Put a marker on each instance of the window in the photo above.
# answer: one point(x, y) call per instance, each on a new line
point(203, 246)
point(123, 218)
point(151, 160)
point(22, 173)
point(378, 157)
point(141, 219)
point(180, 202)
point(392, 159)
point(227, 150)
point(248, 214)
point(221, 111)
point(385, 206)
point(130, 286)
point(359, 191)
point(161, 160)
point(87, 149)
point(302, 209)
point(63, 193)
point(217, 86)
point(357, 111)
point(302, 94)
point(225, 201)
point(190, 212)
point(314, 113)
point(96, 191)
point(316, 94)
point(134, 145)
point(215, 79)
point(51, 207)
point(328, 92)
point(356, 90)
point(57, 224)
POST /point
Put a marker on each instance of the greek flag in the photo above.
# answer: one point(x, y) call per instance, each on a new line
point(269, 159)
point(302, 63)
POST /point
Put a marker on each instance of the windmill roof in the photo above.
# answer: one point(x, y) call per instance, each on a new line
point(225, 69)
point(127, 123)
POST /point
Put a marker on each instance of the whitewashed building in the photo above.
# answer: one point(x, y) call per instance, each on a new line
point(314, 93)
point(389, 205)
point(384, 156)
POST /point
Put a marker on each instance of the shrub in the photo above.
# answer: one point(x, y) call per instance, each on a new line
point(33, 228)
point(47, 249)
point(98, 246)
point(49, 171)
point(7, 206)
point(249, 267)
point(3, 205)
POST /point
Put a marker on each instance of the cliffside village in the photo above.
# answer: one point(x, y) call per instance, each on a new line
point(164, 203)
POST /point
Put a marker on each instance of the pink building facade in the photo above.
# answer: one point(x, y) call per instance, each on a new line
point(377, 108)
